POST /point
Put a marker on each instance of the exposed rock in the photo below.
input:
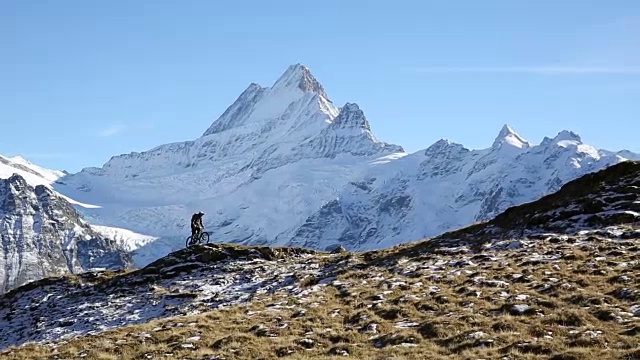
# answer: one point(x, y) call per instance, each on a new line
point(43, 235)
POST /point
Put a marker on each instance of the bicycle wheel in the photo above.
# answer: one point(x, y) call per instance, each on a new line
point(188, 241)
point(204, 238)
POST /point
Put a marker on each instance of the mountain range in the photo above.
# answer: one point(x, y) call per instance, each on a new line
point(285, 166)
point(552, 279)
point(448, 186)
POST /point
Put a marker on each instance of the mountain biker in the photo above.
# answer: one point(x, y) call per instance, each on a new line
point(196, 225)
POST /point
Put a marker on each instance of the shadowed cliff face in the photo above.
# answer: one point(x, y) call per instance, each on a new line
point(42, 235)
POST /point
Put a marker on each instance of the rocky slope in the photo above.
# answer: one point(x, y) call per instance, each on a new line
point(43, 235)
point(559, 287)
point(448, 186)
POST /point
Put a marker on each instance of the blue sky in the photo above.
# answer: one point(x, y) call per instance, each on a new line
point(81, 81)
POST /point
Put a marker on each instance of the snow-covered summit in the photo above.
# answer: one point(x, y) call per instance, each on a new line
point(508, 136)
point(351, 117)
point(263, 129)
point(33, 174)
point(259, 103)
point(566, 135)
point(21, 166)
point(628, 155)
point(299, 76)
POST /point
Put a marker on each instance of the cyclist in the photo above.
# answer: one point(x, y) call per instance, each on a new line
point(196, 225)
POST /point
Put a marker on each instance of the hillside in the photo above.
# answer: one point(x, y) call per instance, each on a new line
point(542, 290)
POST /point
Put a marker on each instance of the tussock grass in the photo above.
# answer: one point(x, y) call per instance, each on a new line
point(394, 311)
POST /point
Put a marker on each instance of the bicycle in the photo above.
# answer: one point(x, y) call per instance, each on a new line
point(203, 238)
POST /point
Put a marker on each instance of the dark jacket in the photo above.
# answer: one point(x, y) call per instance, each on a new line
point(196, 221)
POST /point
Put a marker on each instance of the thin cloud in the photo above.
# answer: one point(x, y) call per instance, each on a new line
point(538, 70)
point(111, 130)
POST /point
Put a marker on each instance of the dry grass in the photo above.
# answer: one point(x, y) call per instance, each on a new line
point(575, 311)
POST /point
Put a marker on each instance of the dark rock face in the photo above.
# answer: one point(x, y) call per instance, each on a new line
point(43, 235)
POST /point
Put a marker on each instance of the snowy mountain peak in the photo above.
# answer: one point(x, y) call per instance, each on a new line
point(443, 147)
point(299, 77)
point(438, 147)
point(351, 107)
point(21, 166)
point(510, 137)
point(295, 88)
point(20, 159)
point(628, 155)
point(567, 136)
point(239, 111)
point(351, 116)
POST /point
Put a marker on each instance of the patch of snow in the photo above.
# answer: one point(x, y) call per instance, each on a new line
point(128, 239)
point(520, 308)
point(64, 311)
point(406, 324)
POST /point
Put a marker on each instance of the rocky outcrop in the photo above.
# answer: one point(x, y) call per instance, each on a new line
point(43, 235)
